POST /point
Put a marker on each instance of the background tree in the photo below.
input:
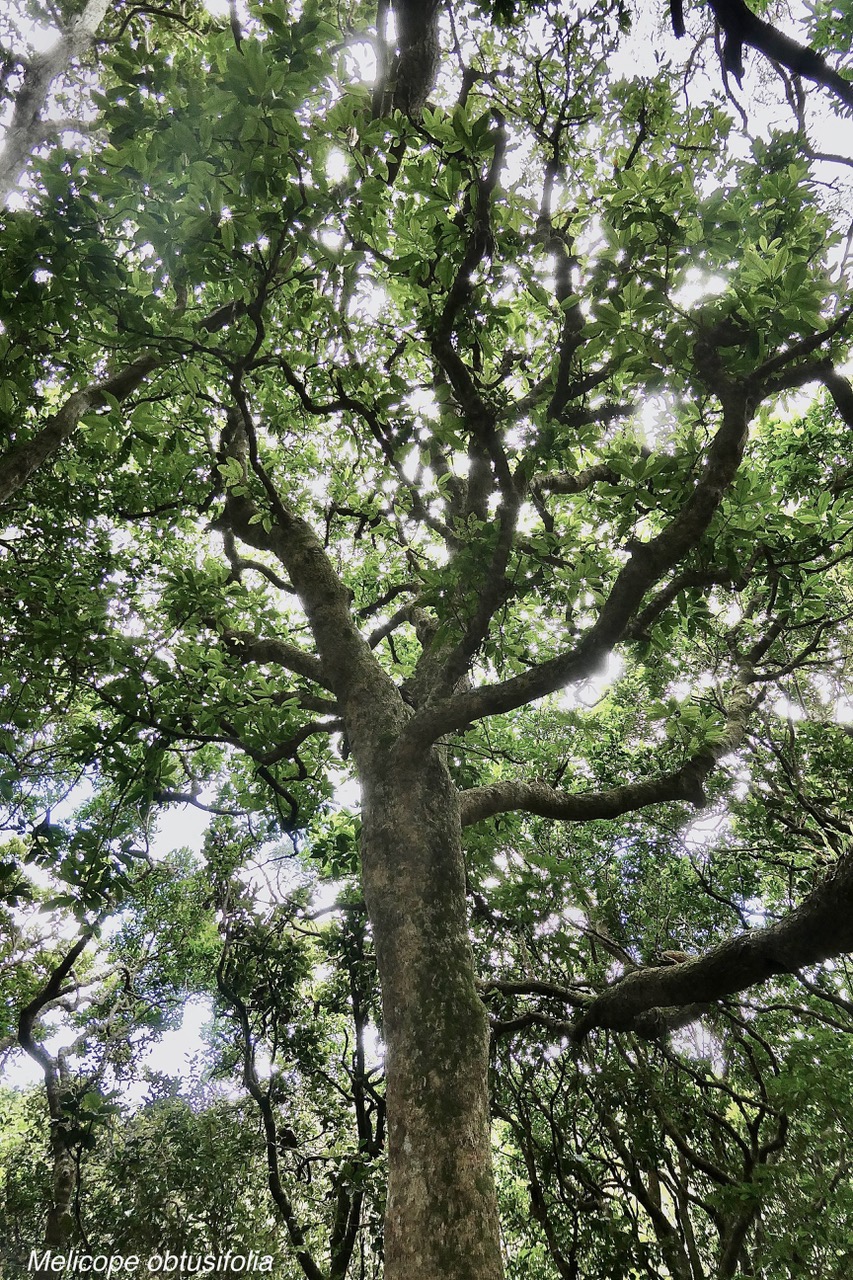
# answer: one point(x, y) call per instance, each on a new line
point(362, 426)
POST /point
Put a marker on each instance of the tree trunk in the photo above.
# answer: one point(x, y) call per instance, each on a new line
point(59, 1217)
point(442, 1220)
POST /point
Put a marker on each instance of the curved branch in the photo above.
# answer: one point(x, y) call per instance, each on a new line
point(533, 987)
point(670, 592)
point(781, 363)
point(22, 460)
point(742, 26)
point(819, 929)
point(187, 798)
point(261, 1098)
point(684, 783)
point(64, 1171)
point(841, 391)
point(378, 634)
point(248, 647)
point(49, 992)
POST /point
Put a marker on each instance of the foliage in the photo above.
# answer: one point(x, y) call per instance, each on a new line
point(447, 427)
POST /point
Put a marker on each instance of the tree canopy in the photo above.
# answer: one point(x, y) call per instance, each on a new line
point(425, 452)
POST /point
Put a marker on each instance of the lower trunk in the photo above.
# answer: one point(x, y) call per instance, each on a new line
point(441, 1221)
point(59, 1218)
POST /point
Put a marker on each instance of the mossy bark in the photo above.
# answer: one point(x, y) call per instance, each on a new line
point(442, 1221)
point(59, 1217)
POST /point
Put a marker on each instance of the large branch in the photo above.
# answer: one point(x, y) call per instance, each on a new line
point(42, 1000)
point(841, 391)
point(27, 128)
point(742, 26)
point(546, 801)
point(575, 481)
point(480, 242)
point(417, 62)
point(560, 245)
point(819, 929)
point(22, 460)
point(648, 563)
point(486, 456)
point(366, 695)
point(267, 649)
point(685, 783)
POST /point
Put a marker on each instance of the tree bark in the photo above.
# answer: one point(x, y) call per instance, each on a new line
point(442, 1220)
point(27, 128)
point(22, 460)
point(59, 1216)
point(59, 1219)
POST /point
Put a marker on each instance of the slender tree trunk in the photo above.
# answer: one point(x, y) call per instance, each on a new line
point(442, 1220)
point(59, 1215)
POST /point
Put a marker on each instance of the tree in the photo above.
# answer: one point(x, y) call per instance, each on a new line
point(87, 1167)
point(332, 446)
point(112, 1003)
